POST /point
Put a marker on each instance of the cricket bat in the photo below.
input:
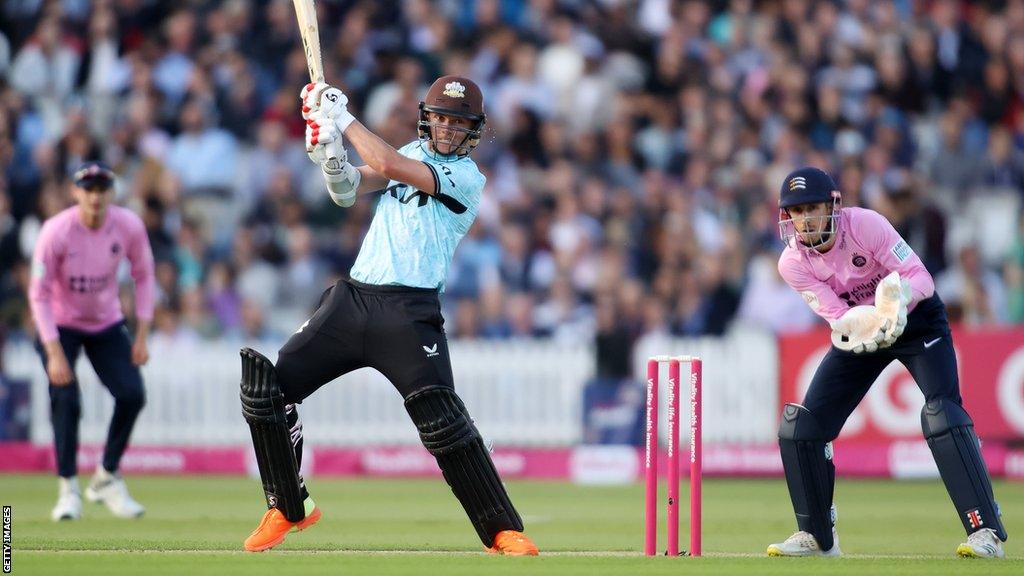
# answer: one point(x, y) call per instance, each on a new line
point(305, 13)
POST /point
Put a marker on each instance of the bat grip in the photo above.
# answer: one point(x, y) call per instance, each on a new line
point(335, 149)
point(336, 153)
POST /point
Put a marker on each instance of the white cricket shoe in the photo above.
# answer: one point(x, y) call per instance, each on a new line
point(69, 501)
point(111, 490)
point(803, 544)
point(981, 544)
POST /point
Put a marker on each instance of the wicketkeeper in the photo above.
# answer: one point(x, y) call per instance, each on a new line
point(855, 271)
point(387, 315)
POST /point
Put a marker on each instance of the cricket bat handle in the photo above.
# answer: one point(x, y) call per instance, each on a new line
point(335, 150)
point(335, 154)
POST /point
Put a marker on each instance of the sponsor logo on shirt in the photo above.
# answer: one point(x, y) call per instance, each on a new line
point(401, 192)
point(861, 292)
point(902, 250)
point(811, 298)
point(448, 172)
point(88, 284)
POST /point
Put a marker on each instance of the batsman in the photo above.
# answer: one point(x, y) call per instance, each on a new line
point(387, 315)
point(855, 271)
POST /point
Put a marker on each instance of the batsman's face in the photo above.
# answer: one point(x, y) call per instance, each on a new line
point(448, 132)
point(811, 221)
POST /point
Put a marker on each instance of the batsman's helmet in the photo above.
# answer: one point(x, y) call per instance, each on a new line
point(454, 96)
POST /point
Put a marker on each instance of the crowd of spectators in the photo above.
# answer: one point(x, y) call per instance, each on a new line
point(633, 151)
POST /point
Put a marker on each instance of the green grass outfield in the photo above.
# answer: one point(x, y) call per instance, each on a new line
point(195, 526)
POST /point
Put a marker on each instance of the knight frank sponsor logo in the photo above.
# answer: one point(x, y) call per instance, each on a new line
point(974, 517)
point(7, 539)
point(88, 284)
point(861, 292)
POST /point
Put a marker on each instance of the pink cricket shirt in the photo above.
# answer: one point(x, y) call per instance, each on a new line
point(74, 272)
point(867, 249)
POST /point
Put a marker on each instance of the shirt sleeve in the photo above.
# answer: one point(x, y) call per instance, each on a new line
point(893, 252)
point(140, 256)
point(457, 185)
point(40, 287)
point(817, 294)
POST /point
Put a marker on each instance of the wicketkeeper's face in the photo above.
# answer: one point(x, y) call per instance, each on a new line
point(811, 221)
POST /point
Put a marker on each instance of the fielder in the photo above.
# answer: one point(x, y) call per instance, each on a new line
point(387, 315)
point(853, 269)
point(73, 294)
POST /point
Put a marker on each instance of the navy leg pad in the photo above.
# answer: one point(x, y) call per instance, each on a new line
point(957, 452)
point(810, 474)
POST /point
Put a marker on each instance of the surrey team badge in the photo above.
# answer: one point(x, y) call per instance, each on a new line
point(454, 90)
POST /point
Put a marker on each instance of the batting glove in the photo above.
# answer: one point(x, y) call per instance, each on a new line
point(310, 96)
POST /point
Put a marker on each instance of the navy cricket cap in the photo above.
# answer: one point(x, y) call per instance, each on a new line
point(806, 186)
point(94, 174)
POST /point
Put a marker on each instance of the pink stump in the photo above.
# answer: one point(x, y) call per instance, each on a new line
point(696, 378)
point(651, 461)
point(673, 458)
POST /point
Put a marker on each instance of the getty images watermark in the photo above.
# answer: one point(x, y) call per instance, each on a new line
point(7, 539)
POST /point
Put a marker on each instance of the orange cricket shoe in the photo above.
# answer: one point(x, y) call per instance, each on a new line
point(310, 519)
point(512, 543)
point(274, 527)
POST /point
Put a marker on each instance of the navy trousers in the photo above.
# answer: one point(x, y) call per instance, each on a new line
point(110, 352)
point(925, 348)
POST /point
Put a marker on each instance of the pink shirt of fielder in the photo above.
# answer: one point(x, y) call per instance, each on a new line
point(74, 272)
point(867, 249)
